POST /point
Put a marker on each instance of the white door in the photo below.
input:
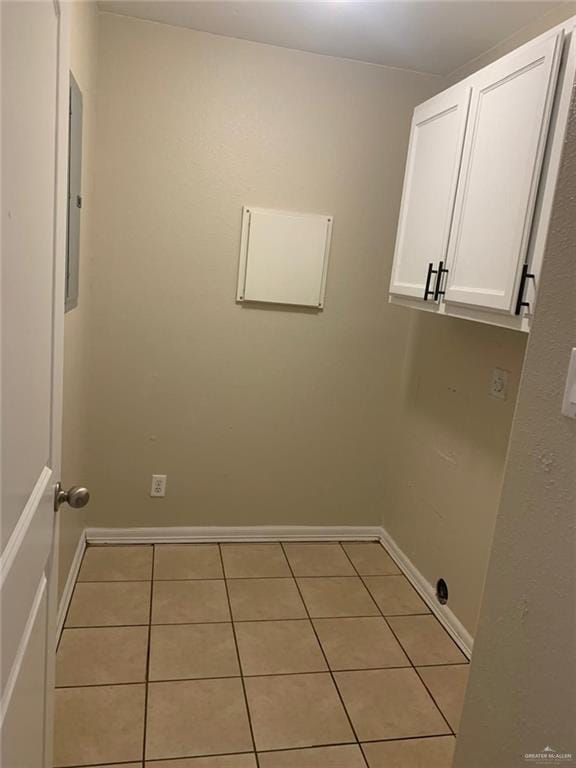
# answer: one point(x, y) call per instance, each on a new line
point(34, 131)
point(430, 181)
point(503, 152)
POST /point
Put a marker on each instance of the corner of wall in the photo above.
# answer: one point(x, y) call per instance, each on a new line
point(84, 27)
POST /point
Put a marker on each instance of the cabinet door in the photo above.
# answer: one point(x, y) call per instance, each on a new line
point(503, 151)
point(432, 166)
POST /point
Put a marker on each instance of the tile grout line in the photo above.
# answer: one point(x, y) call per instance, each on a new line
point(452, 731)
point(254, 578)
point(347, 556)
point(147, 673)
point(331, 673)
point(415, 668)
point(161, 760)
point(233, 578)
point(398, 639)
point(104, 765)
point(267, 674)
point(249, 621)
point(246, 704)
point(65, 628)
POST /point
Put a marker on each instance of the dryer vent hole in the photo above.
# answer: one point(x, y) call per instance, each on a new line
point(442, 591)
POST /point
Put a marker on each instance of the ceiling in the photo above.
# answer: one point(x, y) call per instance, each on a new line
point(431, 36)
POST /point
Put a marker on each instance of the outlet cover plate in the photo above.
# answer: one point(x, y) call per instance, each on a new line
point(158, 488)
point(499, 384)
point(569, 400)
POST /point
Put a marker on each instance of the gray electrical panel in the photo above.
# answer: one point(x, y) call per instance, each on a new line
point(74, 195)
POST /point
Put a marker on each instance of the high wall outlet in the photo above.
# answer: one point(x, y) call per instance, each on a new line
point(158, 485)
point(499, 384)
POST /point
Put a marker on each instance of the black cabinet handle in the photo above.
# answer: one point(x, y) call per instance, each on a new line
point(437, 291)
point(431, 271)
point(520, 300)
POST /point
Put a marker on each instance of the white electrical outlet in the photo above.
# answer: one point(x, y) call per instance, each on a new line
point(158, 485)
point(569, 402)
point(499, 384)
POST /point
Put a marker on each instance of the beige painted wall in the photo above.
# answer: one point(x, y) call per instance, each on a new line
point(258, 416)
point(449, 458)
point(523, 662)
point(559, 13)
point(76, 438)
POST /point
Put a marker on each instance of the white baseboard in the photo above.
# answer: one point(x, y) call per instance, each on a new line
point(168, 535)
point(229, 533)
point(70, 582)
point(445, 616)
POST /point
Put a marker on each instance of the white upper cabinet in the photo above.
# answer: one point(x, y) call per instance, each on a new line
point(503, 152)
point(481, 171)
point(434, 153)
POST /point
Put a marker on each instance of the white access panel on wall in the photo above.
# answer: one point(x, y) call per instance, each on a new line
point(283, 257)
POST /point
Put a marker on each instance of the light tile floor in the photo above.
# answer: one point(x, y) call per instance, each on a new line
point(253, 656)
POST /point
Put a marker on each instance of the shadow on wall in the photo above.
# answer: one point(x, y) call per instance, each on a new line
point(449, 458)
point(447, 379)
point(279, 307)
